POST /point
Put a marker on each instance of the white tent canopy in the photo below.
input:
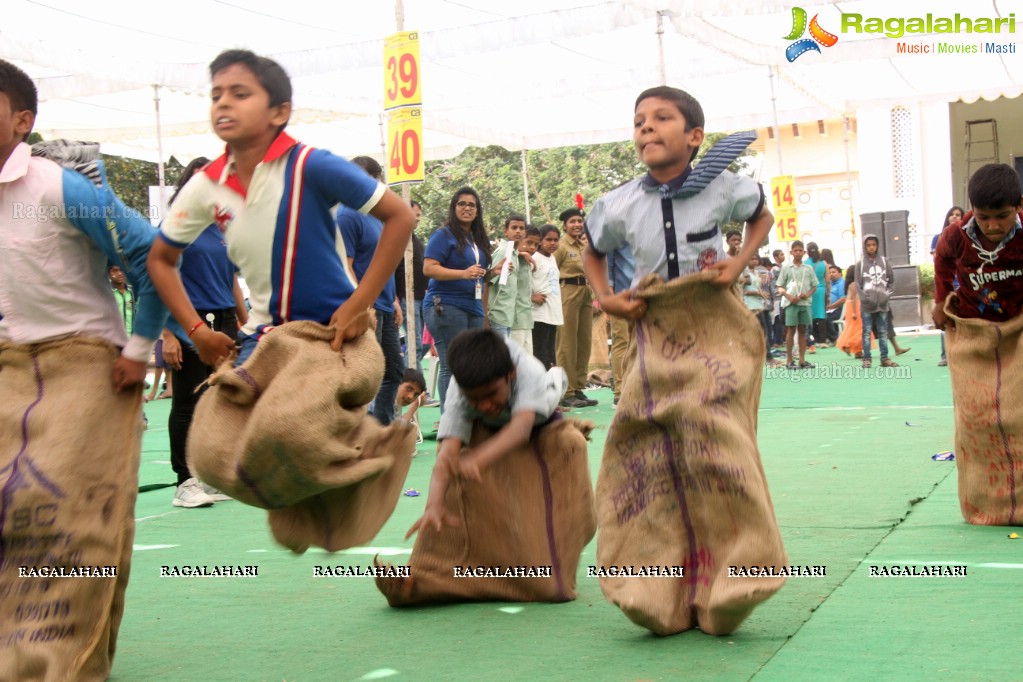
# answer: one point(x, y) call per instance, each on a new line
point(523, 75)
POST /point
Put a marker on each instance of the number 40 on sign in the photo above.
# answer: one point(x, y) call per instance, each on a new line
point(405, 151)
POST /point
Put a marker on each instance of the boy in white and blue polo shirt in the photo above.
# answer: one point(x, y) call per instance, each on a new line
point(274, 200)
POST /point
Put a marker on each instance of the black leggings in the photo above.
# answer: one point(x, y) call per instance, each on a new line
point(184, 382)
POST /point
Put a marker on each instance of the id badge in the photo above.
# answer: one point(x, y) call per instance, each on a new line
point(479, 290)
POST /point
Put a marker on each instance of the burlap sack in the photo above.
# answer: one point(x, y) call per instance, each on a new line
point(681, 483)
point(288, 431)
point(984, 361)
point(533, 509)
point(69, 457)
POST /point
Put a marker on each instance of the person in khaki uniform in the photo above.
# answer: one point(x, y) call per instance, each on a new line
point(574, 336)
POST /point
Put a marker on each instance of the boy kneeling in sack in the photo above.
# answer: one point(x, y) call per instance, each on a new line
point(508, 518)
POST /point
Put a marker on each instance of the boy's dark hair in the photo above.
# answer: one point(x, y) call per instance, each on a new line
point(995, 185)
point(269, 73)
point(370, 165)
point(186, 174)
point(777, 251)
point(20, 90)
point(796, 243)
point(413, 203)
point(686, 103)
point(478, 357)
point(414, 376)
point(547, 229)
point(533, 231)
point(732, 233)
point(514, 216)
point(765, 262)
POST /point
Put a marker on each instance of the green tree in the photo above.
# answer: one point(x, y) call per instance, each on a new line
point(555, 177)
point(131, 179)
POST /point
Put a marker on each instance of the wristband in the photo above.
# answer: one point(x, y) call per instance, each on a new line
point(196, 326)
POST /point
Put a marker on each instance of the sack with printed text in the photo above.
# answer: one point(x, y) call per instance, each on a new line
point(681, 483)
point(69, 459)
point(984, 361)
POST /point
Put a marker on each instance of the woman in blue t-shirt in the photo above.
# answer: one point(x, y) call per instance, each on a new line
point(211, 282)
point(456, 260)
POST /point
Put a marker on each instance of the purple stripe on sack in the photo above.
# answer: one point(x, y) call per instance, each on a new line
point(244, 375)
point(548, 510)
point(692, 560)
point(250, 483)
point(1001, 428)
point(16, 478)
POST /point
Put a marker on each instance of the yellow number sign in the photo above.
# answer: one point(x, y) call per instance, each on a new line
point(405, 145)
point(783, 200)
point(402, 85)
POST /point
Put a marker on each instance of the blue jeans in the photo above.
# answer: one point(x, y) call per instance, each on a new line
point(879, 323)
point(500, 329)
point(387, 337)
point(445, 326)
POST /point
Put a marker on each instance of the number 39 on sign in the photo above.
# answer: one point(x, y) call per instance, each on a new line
point(405, 145)
point(402, 84)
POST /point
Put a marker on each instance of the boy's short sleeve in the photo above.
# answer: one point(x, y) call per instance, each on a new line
point(455, 422)
point(747, 198)
point(191, 213)
point(606, 232)
point(534, 390)
point(341, 181)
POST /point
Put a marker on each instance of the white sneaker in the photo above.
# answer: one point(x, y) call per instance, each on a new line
point(190, 495)
point(213, 493)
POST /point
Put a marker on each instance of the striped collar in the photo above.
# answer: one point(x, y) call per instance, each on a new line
point(714, 162)
point(222, 171)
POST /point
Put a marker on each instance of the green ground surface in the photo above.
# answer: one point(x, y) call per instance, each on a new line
point(849, 464)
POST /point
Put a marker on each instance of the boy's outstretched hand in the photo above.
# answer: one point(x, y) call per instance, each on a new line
point(728, 271)
point(941, 320)
point(127, 373)
point(436, 516)
point(212, 346)
point(349, 323)
point(625, 305)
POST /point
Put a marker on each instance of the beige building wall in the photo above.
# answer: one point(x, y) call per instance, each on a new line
point(815, 153)
point(1007, 114)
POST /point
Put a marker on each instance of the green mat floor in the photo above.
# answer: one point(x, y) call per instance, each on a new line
point(848, 459)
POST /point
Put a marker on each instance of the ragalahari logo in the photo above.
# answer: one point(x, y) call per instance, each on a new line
point(817, 35)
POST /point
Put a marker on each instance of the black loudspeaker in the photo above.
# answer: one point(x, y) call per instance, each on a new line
point(906, 311)
point(907, 280)
point(871, 223)
point(895, 242)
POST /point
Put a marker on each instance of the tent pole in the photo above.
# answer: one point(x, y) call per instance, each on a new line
point(159, 144)
point(777, 128)
point(660, 46)
point(406, 194)
point(525, 184)
point(846, 125)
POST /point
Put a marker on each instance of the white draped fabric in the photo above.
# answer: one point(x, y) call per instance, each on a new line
point(524, 74)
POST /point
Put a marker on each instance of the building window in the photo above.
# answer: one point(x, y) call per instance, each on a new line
point(903, 152)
